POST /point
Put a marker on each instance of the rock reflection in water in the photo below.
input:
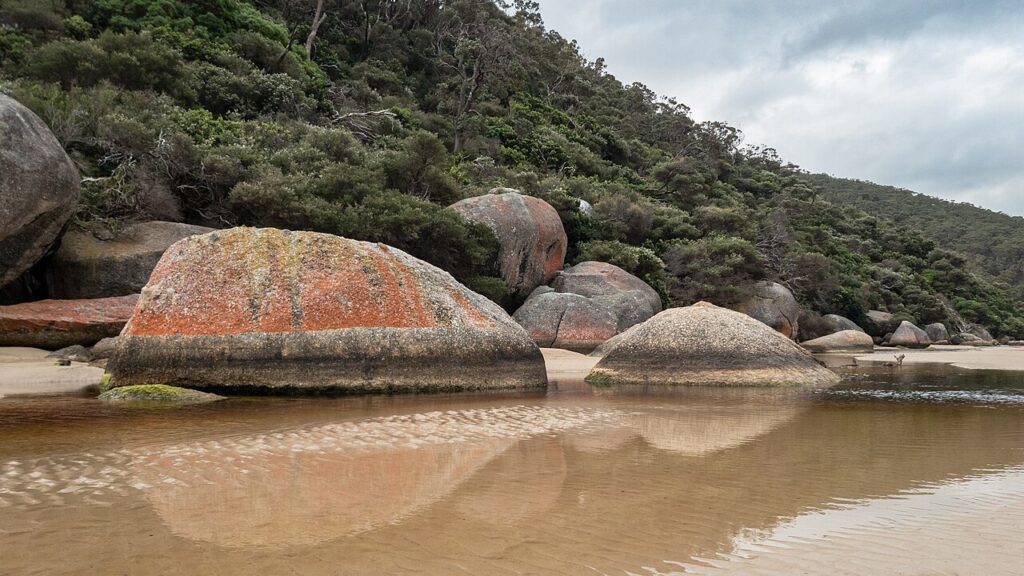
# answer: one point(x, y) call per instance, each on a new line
point(611, 483)
point(285, 498)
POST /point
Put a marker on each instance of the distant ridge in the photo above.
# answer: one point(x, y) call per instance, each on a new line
point(993, 242)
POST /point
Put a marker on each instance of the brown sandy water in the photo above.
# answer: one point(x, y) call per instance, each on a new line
point(911, 471)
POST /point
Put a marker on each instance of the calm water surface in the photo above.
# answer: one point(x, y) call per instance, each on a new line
point(915, 471)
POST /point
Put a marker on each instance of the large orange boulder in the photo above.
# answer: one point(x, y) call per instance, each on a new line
point(586, 305)
point(55, 324)
point(281, 311)
point(531, 239)
point(38, 189)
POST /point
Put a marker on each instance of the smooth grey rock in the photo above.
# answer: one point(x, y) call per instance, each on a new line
point(87, 267)
point(39, 187)
point(704, 345)
point(587, 304)
point(774, 305)
point(937, 332)
point(909, 336)
point(842, 341)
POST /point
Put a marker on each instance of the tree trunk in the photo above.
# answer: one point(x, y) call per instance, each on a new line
point(318, 19)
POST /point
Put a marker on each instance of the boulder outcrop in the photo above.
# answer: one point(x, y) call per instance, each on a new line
point(879, 324)
point(87, 267)
point(813, 326)
point(842, 341)
point(774, 305)
point(531, 239)
point(908, 335)
point(56, 324)
point(586, 305)
point(278, 311)
point(39, 189)
point(968, 339)
point(704, 345)
point(937, 332)
point(980, 331)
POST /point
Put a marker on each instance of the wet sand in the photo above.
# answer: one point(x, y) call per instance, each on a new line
point(28, 372)
point(566, 365)
point(989, 358)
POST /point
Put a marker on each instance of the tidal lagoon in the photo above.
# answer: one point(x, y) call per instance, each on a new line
point(915, 470)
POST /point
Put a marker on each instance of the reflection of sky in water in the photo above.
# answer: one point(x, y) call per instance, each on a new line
point(957, 527)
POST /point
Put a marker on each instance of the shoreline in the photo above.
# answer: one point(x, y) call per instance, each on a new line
point(28, 372)
point(1002, 358)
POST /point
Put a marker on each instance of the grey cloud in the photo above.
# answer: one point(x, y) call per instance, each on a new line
point(925, 94)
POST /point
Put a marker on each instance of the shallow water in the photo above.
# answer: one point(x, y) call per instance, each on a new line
point(910, 471)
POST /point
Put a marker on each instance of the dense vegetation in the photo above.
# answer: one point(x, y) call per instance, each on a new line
point(366, 118)
point(992, 241)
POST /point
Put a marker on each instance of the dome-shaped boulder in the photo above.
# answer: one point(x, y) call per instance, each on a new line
point(840, 342)
point(38, 189)
point(704, 345)
point(531, 239)
point(774, 305)
point(909, 336)
point(586, 305)
point(274, 310)
point(937, 332)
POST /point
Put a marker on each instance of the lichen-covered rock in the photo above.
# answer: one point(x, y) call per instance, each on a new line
point(586, 305)
point(774, 305)
point(56, 324)
point(842, 341)
point(281, 311)
point(566, 320)
point(705, 345)
point(87, 267)
point(39, 189)
point(937, 332)
point(531, 239)
point(878, 323)
point(909, 336)
point(156, 395)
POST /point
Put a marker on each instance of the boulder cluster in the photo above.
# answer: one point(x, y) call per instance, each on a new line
point(267, 310)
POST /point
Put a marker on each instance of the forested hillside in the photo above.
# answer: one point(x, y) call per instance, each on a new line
point(992, 241)
point(367, 118)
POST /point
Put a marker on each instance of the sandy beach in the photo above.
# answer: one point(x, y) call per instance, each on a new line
point(28, 372)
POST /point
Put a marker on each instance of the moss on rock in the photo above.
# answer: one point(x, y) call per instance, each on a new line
point(156, 395)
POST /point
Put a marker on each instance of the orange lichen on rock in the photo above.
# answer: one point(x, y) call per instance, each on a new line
point(247, 280)
point(54, 324)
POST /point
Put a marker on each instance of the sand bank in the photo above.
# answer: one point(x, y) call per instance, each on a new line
point(566, 365)
point(995, 358)
point(28, 372)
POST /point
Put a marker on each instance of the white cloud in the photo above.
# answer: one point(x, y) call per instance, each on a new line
point(923, 94)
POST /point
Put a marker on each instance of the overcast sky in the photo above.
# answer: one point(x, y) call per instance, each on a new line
point(923, 94)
